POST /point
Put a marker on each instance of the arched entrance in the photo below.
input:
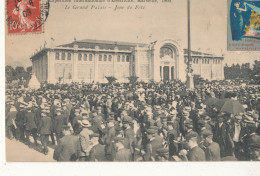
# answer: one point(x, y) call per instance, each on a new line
point(168, 62)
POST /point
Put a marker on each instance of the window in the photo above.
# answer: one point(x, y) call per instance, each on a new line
point(193, 60)
point(123, 58)
point(79, 57)
point(218, 61)
point(133, 58)
point(118, 58)
point(109, 58)
point(57, 56)
point(105, 58)
point(208, 61)
point(197, 61)
point(63, 56)
point(100, 57)
point(90, 57)
point(202, 61)
point(127, 58)
point(69, 56)
point(85, 57)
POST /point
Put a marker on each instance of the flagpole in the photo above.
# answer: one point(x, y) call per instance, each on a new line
point(189, 82)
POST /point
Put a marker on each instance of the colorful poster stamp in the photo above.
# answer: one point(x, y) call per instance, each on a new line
point(24, 16)
point(243, 25)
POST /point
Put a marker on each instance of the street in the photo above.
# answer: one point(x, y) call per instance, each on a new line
point(17, 151)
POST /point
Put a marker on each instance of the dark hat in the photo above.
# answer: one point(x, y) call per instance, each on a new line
point(188, 124)
point(84, 114)
point(94, 111)
point(94, 135)
point(201, 122)
point(170, 122)
point(65, 127)
point(151, 131)
point(127, 119)
point(119, 139)
point(191, 135)
point(254, 141)
point(207, 133)
point(58, 110)
point(221, 114)
point(154, 127)
point(118, 128)
point(162, 150)
point(111, 113)
point(110, 120)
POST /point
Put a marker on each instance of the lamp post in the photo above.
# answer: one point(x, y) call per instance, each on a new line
point(189, 82)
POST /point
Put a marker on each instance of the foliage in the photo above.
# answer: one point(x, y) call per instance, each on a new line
point(242, 71)
point(111, 79)
point(197, 79)
point(133, 79)
point(18, 73)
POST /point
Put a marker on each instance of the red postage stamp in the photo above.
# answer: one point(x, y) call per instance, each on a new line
point(24, 16)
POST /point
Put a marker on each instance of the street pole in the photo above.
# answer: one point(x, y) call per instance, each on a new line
point(189, 82)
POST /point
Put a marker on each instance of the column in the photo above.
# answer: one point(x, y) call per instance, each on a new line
point(170, 72)
point(162, 72)
point(222, 69)
point(114, 57)
point(137, 66)
point(75, 66)
point(200, 62)
point(96, 67)
point(211, 70)
point(156, 65)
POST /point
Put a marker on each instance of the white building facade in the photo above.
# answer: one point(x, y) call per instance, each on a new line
point(94, 60)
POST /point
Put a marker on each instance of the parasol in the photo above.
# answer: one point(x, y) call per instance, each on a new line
point(211, 101)
point(232, 107)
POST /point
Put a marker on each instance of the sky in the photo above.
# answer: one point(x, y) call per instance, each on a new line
point(158, 20)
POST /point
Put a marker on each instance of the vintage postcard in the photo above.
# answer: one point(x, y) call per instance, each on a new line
point(132, 80)
point(244, 25)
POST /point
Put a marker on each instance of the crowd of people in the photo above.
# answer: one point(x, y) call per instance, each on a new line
point(138, 122)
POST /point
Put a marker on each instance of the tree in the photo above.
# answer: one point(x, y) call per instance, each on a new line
point(29, 69)
point(111, 79)
point(133, 79)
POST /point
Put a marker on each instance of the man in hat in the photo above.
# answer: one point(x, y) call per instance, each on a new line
point(75, 121)
point(236, 131)
point(154, 142)
point(221, 136)
point(212, 150)
point(162, 154)
point(129, 134)
point(250, 133)
point(30, 126)
point(189, 129)
point(10, 122)
point(97, 152)
point(254, 148)
point(45, 129)
point(68, 147)
point(122, 153)
point(58, 121)
point(172, 137)
point(19, 120)
point(109, 138)
point(195, 152)
point(138, 153)
point(99, 112)
point(84, 138)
